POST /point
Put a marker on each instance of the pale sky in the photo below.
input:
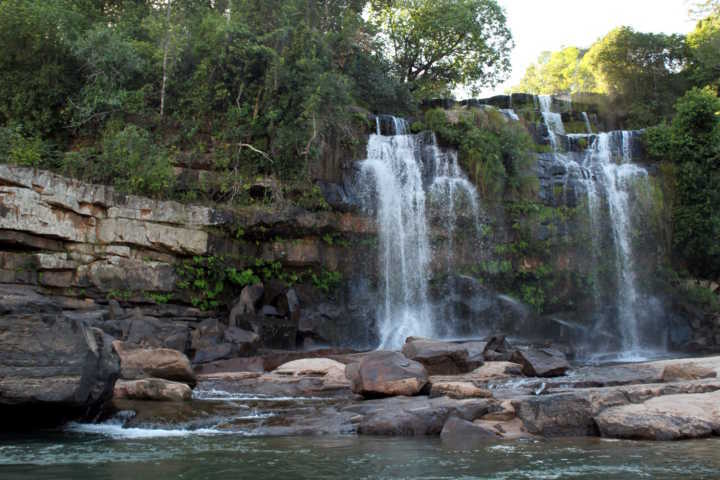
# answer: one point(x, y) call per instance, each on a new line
point(539, 25)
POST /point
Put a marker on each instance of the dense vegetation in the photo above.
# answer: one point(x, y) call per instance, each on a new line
point(672, 80)
point(642, 73)
point(121, 91)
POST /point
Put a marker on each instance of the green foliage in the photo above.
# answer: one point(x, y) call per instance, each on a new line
point(438, 44)
point(131, 161)
point(205, 279)
point(19, 149)
point(326, 280)
point(561, 72)
point(704, 45)
point(692, 143)
point(496, 153)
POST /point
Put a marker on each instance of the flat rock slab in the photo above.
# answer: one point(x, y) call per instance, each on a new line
point(670, 417)
point(415, 416)
point(572, 413)
point(152, 389)
point(458, 390)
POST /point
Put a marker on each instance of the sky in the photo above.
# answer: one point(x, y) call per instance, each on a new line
point(540, 25)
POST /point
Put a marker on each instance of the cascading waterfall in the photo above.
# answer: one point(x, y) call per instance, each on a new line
point(403, 176)
point(608, 175)
point(617, 180)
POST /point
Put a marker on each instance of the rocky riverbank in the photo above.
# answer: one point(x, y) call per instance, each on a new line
point(479, 393)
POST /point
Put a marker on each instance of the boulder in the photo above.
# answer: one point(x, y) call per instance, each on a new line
point(541, 362)
point(670, 417)
point(462, 432)
point(138, 363)
point(498, 349)
point(413, 416)
point(383, 373)
point(212, 353)
point(245, 343)
point(152, 332)
point(274, 332)
point(152, 389)
point(440, 358)
point(317, 367)
point(53, 368)
point(687, 371)
point(498, 370)
point(248, 303)
point(458, 390)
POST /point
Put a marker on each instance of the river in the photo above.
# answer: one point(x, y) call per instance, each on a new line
point(190, 455)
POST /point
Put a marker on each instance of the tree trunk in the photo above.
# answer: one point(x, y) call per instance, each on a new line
point(166, 48)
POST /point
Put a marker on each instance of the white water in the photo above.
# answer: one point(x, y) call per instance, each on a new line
point(553, 121)
point(608, 175)
point(394, 171)
point(617, 181)
point(588, 127)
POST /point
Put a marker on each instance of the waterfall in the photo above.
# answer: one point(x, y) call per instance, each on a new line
point(403, 175)
point(588, 127)
point(608, 177)
point(553, 121)
point(617, 181)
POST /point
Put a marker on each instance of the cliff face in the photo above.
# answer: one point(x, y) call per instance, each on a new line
point(542, 268)
point(92, 253)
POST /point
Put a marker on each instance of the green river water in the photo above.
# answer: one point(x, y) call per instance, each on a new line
point(143, 454)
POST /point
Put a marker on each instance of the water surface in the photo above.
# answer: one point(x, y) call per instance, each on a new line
point(207, 455)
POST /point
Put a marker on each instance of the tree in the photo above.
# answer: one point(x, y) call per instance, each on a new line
point(643, 72)
point(438, 44)
point(692, 143)
point(561, 72)
point(704, 45)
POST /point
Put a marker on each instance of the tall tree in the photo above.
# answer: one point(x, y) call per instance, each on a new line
point(438, 44)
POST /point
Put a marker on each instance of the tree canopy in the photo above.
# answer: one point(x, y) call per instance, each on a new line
point(438, 44)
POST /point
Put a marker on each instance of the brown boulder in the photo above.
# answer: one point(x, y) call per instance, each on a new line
point(440, 358)
point(458, 390)
point(670, 417)
point(686, 371)
point(541, 362)
point(138, 363)
point(152, 389)
point(460, 432)
point(384, 373)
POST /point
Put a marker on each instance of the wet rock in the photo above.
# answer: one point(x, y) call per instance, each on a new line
point(671, 417)
point(386, 374)
point(274, 332)
point(245, 343)
point(52, 368)
point(440, 358)
point(138, 363)
point(461, 432)
point(151, 332)
point(152, 389)
point(497, 370)
point(687, 371)
point(458, 390)
point(248, 303)
point(506, 413)
point(293, 305)
point(498, 349)
point(413, 416)
point(541, 362)
point(270, 311)
point(214, 352)
point(317, 367)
